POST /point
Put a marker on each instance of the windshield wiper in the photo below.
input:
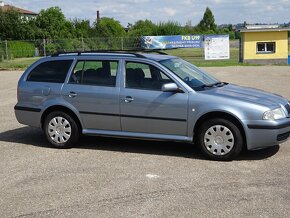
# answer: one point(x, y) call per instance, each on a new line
point(220, 84)
point(217, 84)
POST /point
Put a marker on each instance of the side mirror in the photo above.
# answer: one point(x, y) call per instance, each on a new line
point(170, 87)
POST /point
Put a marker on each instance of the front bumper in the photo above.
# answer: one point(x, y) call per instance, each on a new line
point(264, 133)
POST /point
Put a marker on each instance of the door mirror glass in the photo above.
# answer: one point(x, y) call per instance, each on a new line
point(170, 87)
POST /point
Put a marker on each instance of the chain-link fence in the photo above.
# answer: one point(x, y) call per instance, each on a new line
point(10, 50)
point(44, 47)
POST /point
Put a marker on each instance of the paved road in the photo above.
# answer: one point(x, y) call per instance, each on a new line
point(129, 178)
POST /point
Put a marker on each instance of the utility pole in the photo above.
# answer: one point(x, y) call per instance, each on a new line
point(122, 43)
point(83, 45)
point(44, 49)
point(6, 49)
point(98, 16)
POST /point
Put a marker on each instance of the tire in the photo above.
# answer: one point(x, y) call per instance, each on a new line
point(220, 139)
point(61, 129)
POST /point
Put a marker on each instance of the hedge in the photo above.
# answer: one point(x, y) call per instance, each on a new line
point(20, 49)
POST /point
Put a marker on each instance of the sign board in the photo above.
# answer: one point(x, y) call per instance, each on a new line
point(167, 42)
point(216, 47)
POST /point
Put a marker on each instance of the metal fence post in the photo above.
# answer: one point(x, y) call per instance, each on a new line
point(202, 49)
point(241, 51)
point(83, 45)
point(6, 50)
point(44, 50)
point(122, 43)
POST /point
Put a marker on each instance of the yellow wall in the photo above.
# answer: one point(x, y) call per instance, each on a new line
point(250, 44)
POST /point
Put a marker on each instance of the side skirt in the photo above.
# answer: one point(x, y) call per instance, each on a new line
point(148, 136)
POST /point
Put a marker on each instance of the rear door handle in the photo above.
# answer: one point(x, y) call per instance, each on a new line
point(72, 94)
point(128, 99)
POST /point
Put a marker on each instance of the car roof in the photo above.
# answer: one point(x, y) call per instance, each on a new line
point(158, 57)
point(154, 57)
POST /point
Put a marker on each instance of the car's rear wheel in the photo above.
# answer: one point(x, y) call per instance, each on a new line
point(220, 139)
point(61, 129)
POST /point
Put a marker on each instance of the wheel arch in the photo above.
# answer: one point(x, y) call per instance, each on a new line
point(63, 109)
point(224, 115)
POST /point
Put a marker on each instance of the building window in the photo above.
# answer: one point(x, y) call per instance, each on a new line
point(266, 47)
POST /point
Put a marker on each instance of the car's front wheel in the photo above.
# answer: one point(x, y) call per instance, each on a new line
point(61, 129)
point(220, 139)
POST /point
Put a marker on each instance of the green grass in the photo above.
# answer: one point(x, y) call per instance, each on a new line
point(193, 55)
point(196, 56)
point(17, 63)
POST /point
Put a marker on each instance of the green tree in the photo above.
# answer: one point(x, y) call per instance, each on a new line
point(207, 24)
point(11, 25)
point(188, 28)
point(108, 27)
point(52, 24)
point(143, 28)
point(81, 28)
point(227, 31)
point(168, 28)
point(31, 30)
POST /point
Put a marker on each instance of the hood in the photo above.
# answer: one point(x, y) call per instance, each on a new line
point(246, 94)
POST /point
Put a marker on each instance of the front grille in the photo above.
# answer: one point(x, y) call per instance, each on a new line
point(287, 106)
point(283, 136)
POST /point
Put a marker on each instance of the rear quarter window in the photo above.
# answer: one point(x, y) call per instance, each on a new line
point(50, 71)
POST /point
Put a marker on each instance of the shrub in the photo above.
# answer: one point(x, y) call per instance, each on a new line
point(20, 49)
point(65, 45)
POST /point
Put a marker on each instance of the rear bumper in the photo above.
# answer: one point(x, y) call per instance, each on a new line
point(28, 115)
point(264, 133)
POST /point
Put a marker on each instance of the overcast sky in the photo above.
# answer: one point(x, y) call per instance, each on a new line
point(129, 11)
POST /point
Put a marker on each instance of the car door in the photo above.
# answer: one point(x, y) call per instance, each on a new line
point(145, 108)
point(92, 90)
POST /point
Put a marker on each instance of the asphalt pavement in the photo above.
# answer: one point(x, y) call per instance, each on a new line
point(106, 177)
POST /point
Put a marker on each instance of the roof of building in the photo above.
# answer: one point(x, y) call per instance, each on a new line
point(20, 10)
point(265, 30)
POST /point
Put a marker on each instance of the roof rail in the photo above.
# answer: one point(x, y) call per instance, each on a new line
point(63, 53)
point(158, 51)
point(98, 51)
point(129, 52)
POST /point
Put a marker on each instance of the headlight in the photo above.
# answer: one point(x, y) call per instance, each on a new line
point(275, 114)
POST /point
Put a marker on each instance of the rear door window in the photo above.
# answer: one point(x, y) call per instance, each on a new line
point(50, 71)
point(98, 73)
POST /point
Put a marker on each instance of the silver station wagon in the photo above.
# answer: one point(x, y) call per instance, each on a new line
point(148, 96)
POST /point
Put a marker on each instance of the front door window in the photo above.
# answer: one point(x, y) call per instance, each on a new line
point(144, 76)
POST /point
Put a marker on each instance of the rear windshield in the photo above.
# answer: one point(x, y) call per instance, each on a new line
point(50, 71)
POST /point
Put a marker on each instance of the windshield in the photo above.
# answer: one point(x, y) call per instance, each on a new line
point(190, 74)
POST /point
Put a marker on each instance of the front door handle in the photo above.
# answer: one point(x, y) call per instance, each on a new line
point(72, 94)
point(128, 99)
